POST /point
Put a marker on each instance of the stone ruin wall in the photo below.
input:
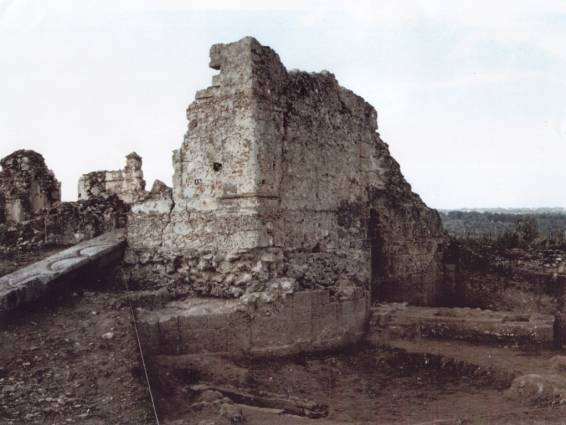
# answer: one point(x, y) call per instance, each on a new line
point(27, 186)
point(282, 179)
point(523, 281)
point(128, 184)
point(32, 216)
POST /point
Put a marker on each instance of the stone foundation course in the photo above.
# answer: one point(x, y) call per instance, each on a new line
point(300, 322)
point(401, 321)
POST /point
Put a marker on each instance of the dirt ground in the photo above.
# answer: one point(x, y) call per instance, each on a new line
point(72, 359)
point(363, 386)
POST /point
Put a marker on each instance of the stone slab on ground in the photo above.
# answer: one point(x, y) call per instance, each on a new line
point(31, 282)
point(392, 321)
point(300, 322)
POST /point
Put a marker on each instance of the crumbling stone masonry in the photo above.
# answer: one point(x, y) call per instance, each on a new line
point(26, 186)
point(283, 179)
point(32, 216)
point(128, 184)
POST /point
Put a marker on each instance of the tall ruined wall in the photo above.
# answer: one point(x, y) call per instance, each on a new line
point(282, 177)
point(26, 186)
point(128, 184)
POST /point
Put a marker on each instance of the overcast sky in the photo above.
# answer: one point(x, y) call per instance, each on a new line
point(471, 95)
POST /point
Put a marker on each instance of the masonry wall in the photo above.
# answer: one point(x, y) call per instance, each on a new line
point(529, 280)
point(128, 184)
point(66, 224)
point(26, 186)
point(302, 322)
point(283, 174)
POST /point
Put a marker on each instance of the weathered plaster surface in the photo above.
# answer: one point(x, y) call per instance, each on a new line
point(283, 174)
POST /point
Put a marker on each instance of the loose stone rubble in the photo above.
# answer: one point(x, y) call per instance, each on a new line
point(26, 186)
point(128, 184)
point(67, 224)
point(284, 175)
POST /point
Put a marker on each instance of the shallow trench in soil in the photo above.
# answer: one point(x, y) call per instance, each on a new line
point(363, 385)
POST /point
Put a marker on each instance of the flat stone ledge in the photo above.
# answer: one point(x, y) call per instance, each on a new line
point(304, 321)
point(394, 321)
point(31, 282)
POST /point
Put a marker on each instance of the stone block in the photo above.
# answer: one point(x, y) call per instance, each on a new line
point(230, 341)
point(225, 319)
point(149, 337)
point(352, 317)
point(324, 323)
point(169, 336)
point(271, 332)
point(320, 297)
point(303, 300)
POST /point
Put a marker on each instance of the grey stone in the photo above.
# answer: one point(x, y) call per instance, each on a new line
point(283, 175)
point(31, 282)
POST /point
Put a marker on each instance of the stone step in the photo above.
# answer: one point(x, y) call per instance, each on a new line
point(299, 322)
point(31, 282)
point(401, 321)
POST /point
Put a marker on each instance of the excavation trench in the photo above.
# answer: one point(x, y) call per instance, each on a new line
point(363, 385)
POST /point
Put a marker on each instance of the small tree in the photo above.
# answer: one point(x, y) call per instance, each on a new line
point(526, 229)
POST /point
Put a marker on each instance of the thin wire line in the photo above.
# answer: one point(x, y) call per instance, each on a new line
point(143, 363)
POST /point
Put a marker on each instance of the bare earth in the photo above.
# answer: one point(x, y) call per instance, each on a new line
point(74, 359)
point(363, 386)
point(56, 367)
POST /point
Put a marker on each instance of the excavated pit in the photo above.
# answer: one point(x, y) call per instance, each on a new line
point(361, 385)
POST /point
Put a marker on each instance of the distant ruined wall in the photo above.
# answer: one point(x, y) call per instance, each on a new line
point(128, 184)
point(32, 215)
point(26, 186)
point(282, 175)
point(528, 280)
point(66, 224)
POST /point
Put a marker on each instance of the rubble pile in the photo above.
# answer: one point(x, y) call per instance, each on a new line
point(67, 224)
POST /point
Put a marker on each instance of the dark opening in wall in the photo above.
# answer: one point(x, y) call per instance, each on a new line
point(217, 166)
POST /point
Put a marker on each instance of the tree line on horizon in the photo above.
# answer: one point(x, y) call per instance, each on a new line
point(506, 229)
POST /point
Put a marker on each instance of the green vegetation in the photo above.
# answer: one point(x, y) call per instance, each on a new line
point(511, 229)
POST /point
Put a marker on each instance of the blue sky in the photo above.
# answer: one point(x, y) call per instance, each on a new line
point(471, 96)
